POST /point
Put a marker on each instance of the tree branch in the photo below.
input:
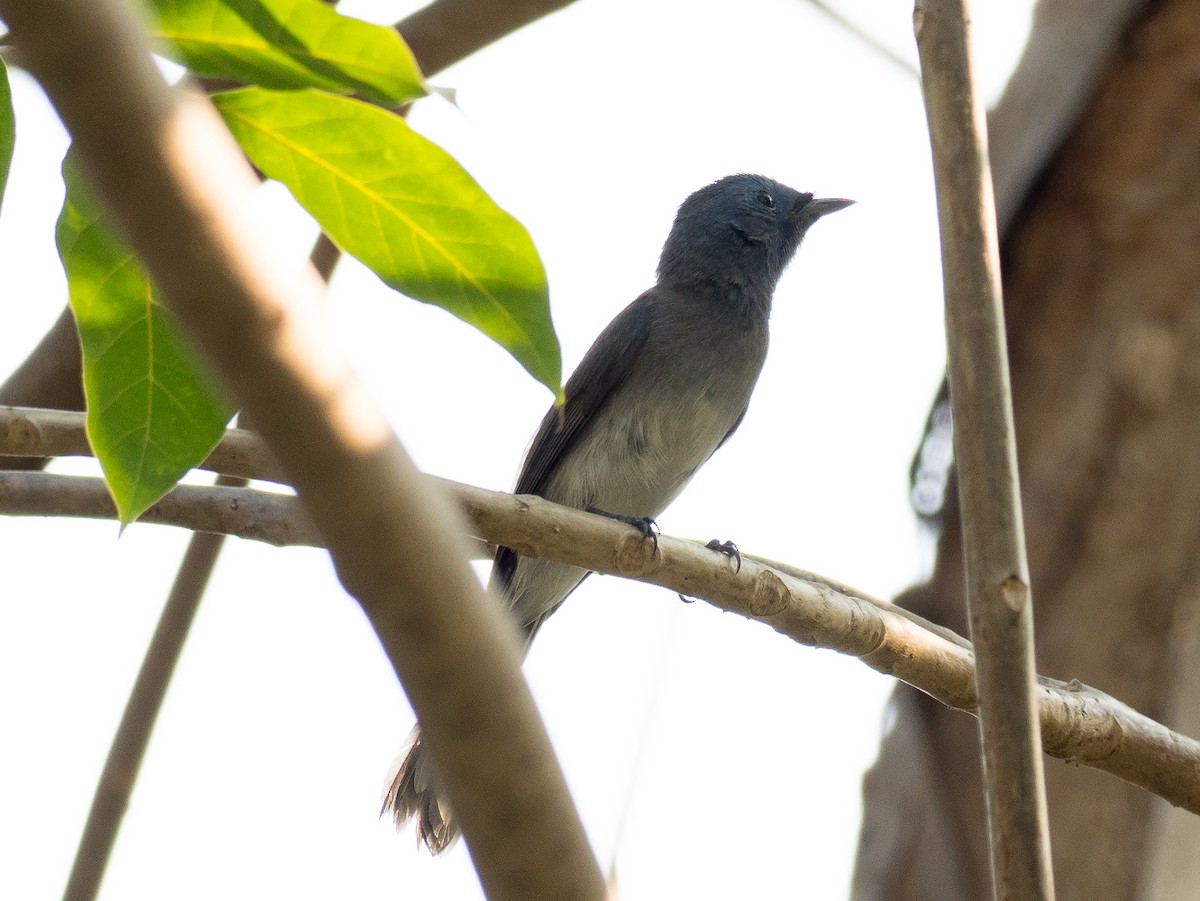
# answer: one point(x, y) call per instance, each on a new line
point(1079, 724)
point(128, 749)
point(179, 189)
point(278, 519)
point(998, 595)
point(26, 432)
point(51, 376)
point(448, 31)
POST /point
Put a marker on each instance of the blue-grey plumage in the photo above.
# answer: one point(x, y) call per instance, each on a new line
point(658, 392)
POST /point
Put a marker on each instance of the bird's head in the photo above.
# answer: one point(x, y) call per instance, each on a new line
point(739, 232)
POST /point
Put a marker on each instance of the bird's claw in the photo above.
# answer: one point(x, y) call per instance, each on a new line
point(685, 598)
point(729, 549)
point(644, 524)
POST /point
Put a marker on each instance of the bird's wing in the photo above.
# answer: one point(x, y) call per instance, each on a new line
point(603, 369)
point(593, 383)
point(732, 429)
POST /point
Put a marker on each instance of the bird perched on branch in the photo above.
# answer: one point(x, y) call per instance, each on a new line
point(659, 391)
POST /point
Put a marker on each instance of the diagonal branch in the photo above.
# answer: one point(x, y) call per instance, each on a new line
point(51, 377)
point(448, 31)
point(180, 191)
point(1078, 724)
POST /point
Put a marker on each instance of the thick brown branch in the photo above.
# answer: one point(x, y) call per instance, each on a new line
point(179, 189)
point(447, 31)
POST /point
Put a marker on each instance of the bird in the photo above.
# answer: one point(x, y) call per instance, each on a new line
point(661, 389)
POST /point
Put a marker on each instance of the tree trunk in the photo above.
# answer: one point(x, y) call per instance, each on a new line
point(1101, 281)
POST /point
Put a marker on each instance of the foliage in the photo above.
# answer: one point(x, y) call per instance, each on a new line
point(403, 206)
point(388, 196)
point(8, 128)
point(288, 44)
point(153, 411)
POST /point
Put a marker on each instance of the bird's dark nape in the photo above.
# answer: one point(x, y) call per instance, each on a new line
point(413, 794)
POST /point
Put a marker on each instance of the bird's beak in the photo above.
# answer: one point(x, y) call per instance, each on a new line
point(818, 207)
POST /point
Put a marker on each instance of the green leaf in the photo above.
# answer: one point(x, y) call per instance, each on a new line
point(8, 129)
point(405, 208)
point(290, 44)
point(153, 410)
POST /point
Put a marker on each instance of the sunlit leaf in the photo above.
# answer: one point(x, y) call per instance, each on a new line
point(289, 44)
point(153, 411)
point(405, 208)
point(8, 128)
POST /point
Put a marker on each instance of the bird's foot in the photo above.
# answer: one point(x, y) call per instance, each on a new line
point(729, 549)
point(644, 524)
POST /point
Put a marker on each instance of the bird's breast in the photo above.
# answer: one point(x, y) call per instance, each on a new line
point(648, 442)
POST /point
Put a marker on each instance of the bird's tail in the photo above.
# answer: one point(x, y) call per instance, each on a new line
point(414, 792)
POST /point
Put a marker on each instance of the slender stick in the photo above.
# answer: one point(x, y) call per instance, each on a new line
point(128, 748)
point(998, 597)
point(179, 189)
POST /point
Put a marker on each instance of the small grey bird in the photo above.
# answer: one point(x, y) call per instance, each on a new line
point(659, 391)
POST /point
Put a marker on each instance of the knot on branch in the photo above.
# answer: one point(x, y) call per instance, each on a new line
point(22, 435)
point(1084, 729)
point(1015, 594)
point(637, 555)
point(866, 632)
point(770, 594)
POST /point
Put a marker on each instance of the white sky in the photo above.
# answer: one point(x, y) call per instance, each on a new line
point(264, 775)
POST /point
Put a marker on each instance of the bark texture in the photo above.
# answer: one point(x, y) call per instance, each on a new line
point(1102, 283)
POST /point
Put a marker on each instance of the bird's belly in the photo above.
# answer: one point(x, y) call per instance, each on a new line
point(647, 455)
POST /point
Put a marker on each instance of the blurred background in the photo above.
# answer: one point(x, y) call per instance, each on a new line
point(710, 757)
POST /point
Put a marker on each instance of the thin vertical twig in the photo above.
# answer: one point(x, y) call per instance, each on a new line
point(132, 737)
point(998, 597)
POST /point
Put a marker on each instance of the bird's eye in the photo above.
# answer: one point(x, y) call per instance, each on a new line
point(765, 199)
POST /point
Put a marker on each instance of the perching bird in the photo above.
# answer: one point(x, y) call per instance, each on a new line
point(659, 391)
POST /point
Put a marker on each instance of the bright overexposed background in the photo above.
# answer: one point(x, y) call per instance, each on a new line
point(709, 757)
